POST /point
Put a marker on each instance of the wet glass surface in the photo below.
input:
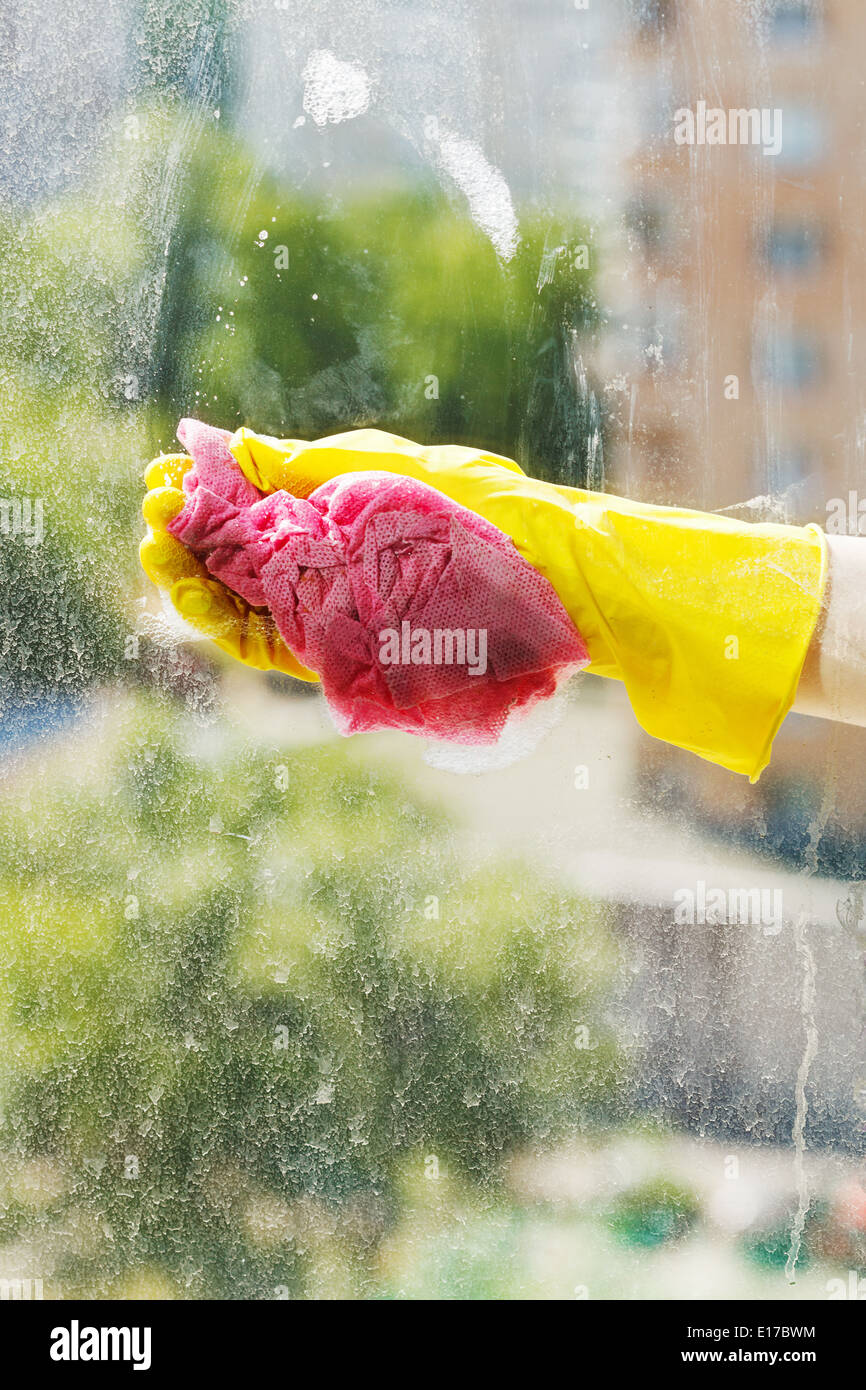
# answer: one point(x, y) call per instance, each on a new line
point(284, 1015)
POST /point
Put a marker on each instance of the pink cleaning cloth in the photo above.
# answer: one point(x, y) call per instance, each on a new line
point(415, 612)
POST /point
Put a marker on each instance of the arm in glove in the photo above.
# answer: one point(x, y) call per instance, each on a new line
point(706, 620)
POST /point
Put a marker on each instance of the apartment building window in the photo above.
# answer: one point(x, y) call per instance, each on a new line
point(647, 223)
point(795, 22)
point(794, 246)
point(789, 465)
point(653, 17)
point(804, 137)
point(789, 359)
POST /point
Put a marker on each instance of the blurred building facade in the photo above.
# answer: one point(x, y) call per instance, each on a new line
point(739, 300)
point(735, 358)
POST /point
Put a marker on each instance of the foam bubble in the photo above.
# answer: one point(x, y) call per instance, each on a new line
point(523, 732)
point(486, 191)
point(334, 91)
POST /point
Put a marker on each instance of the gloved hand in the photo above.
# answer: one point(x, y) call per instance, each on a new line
point(706, 620)
point(202, 601)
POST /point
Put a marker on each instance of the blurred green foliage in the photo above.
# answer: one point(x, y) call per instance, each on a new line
point(76, 331)
point(234, 985)
point(302, 318)
point(769, 1245)
point(654, 1212)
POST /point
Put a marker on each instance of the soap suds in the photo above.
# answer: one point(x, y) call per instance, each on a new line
point(482, 184)
point(334, 91)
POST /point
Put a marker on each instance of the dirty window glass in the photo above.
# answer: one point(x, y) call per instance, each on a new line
point(291, 1015)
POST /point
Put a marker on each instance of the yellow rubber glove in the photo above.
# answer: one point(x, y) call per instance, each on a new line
point(706, 620)
point(206, 604)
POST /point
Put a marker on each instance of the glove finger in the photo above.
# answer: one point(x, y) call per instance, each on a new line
point(168, 470)
point(165, 560)
point(239, 630)
point(161, 505)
